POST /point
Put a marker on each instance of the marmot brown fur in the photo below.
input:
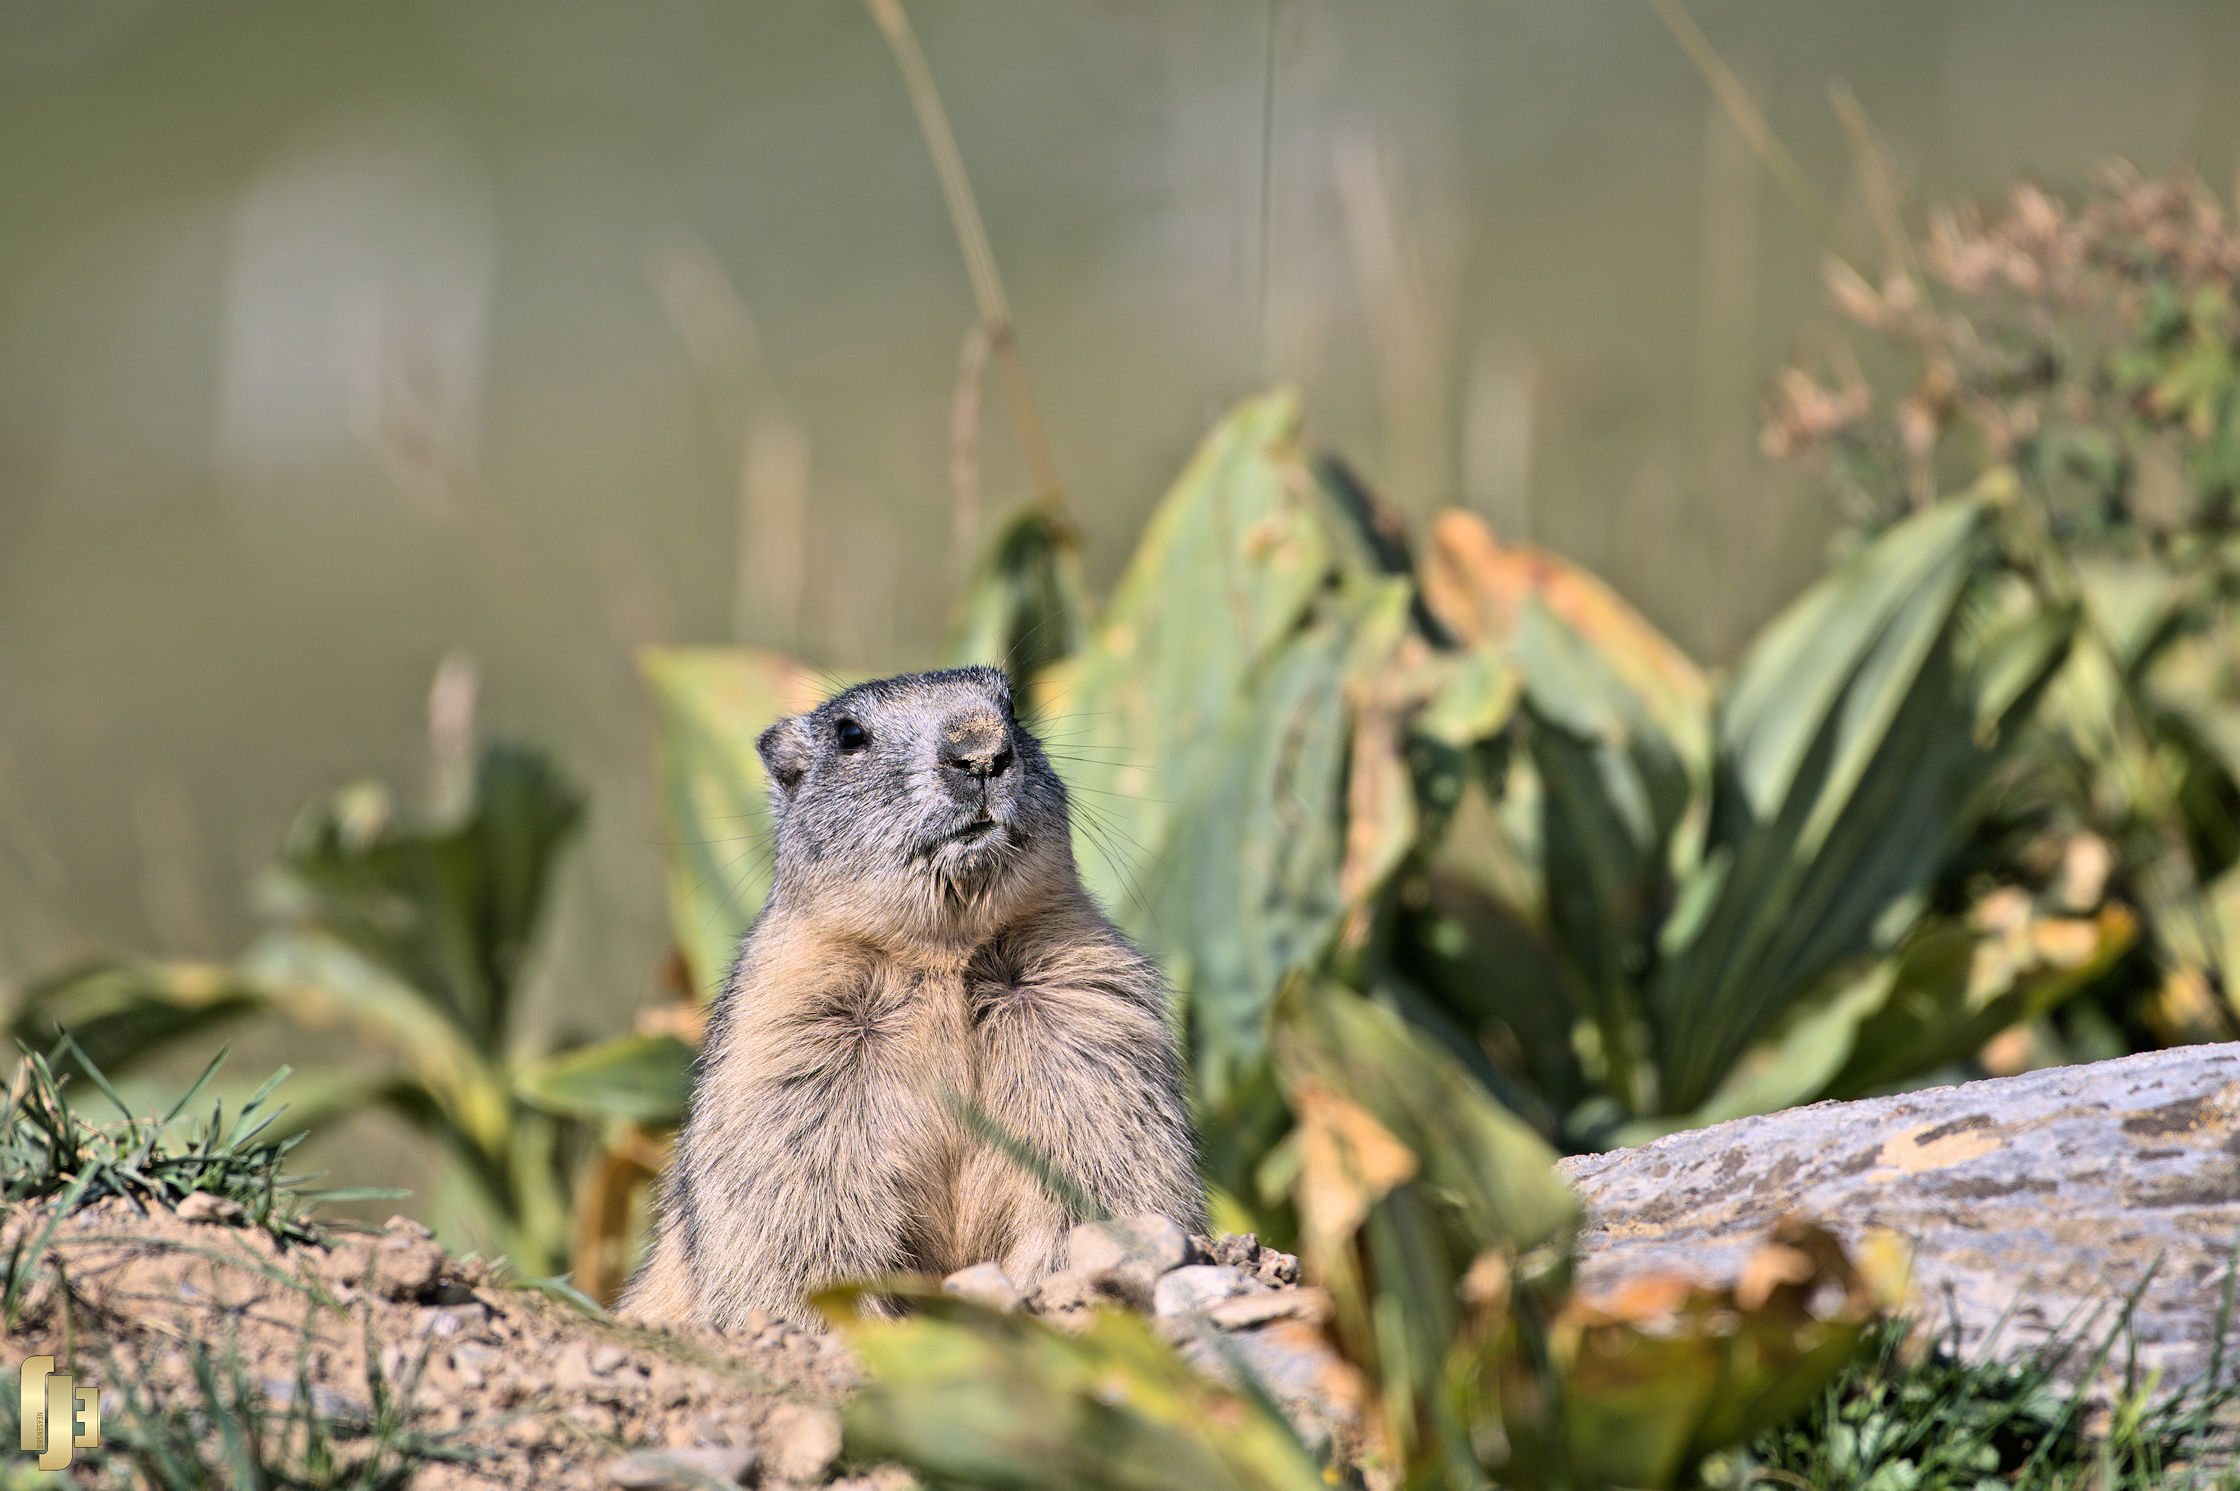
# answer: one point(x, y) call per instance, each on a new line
point(928, 945)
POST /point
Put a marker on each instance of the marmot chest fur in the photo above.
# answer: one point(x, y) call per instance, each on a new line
point(928, 951)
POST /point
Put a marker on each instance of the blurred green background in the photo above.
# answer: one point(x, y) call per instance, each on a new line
point(338, 338)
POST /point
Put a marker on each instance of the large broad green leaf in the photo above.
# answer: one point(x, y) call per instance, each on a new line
point(970, 1398)
point(1871, 622)
point(447, 909)
point(1615, 790)
point(644, 1078)
point(1202, 731)
point(1029, 606)
point(323, 982)
point(711, 703)
point(1851, 1014)
point(121, 1012)
point(1224, 573)
point(1248, 890)
point(1851, 750)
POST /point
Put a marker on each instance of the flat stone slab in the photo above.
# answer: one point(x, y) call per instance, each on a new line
point(2050, 1193)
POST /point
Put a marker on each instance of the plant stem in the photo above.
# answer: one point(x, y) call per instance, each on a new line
point(972, 240)
point(1735, 99)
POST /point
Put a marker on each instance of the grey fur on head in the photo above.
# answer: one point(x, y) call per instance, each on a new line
point(916, 801)
point(927, 949)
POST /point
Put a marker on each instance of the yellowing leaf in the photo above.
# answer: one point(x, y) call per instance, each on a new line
point(1478, 587)
point(1347, 1161)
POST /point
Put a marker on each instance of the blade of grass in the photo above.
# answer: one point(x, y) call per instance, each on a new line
point(1063, 1188)
point(94, 1074)
point(21, 1275)
point(1876, 180)
point(195, 1091)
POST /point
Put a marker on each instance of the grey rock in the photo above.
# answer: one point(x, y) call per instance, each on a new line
point(984, 1284)
point(2050, 1193)
point(1238, 1249)
point(1295, 1362)
point(1246, 1311)
point(488, 1360)
point(1128, 1256)
point(1192, 1287)
point(445, 1323)
point(683, 1470)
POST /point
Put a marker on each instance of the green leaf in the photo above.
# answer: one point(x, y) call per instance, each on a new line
point(711, 703)
point(1864, 623)
point(1247, 885)
point(448, 908)
point(1202, 736)
point(1474, 703)
point(1953, 989)
point(1795, 1061)
point(1850, 763)
point(1029, 606)
point(322, 982)
point(1225, 572)
point(1481, 590)
point(122, 1012)
point(644, 1078)
point(1614, 793)
point(970, 1398)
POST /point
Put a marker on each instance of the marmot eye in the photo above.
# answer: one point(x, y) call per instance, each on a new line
point(850, 735)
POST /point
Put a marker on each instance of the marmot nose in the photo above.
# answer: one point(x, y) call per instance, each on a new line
point(976, 745)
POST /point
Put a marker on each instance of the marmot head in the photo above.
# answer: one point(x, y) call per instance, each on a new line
point(916, 807)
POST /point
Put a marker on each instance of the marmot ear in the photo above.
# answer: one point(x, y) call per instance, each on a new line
point(785, 753)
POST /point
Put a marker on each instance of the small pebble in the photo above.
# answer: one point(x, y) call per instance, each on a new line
point(204, 1207)
point(685, 1470)
point(1128, 1256)
point(1245, 1311)
point(1194, 1286)
point(803, 1440)
point(983, 1284)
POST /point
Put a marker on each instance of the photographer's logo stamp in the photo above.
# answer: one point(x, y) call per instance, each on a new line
point(59, 1417)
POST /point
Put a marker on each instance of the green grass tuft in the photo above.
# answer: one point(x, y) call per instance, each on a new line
point(49, 1149)
point(1906, 1419)
point(51, 1152)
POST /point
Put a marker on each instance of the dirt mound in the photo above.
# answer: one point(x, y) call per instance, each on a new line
point(429, 1367)
point(522, 1388)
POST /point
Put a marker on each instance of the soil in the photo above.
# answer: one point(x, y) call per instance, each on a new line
point(529, 1390)
point(539, 1393)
